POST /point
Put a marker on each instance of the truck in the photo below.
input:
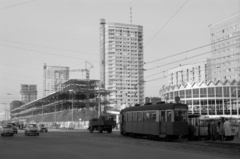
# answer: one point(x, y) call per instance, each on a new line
point(103, 123)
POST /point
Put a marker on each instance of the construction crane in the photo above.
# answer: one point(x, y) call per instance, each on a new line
point(87, 70)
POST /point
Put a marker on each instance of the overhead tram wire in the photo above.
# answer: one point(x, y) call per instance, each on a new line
point(189, 58)
point(166, 23)
point(190, 50)
point(21, 76)
point(16, 5)
point(44, 52)
point(188, 64)
point(49, 47)
point(190, 70)
point(20, 66)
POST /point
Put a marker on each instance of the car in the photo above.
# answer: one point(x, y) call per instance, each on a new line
point(54, 126)
point(31, 129)
point(7, 129)
point(15, 129)
point(42, 128)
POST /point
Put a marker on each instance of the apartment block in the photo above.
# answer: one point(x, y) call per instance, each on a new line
point(225, 37)
point(121, 62)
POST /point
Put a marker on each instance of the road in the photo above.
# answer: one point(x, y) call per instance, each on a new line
point(80, 144)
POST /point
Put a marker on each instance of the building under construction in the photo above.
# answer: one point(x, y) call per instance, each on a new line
point(74, 94)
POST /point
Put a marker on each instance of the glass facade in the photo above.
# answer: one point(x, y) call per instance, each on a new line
point(212, 100)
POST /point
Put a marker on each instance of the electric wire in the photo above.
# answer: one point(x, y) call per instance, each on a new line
point(16, 5)
point(191, 50)
point(45, 52)
point(191, 57)
point(166, 23)
point(49, 47)
point(194, 63)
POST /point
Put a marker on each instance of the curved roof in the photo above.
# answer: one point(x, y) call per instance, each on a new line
point(156, 107)
point(201, 84)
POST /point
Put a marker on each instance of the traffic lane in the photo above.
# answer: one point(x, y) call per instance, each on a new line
point(61, 147)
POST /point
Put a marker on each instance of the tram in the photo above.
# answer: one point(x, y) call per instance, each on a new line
point(164, 120)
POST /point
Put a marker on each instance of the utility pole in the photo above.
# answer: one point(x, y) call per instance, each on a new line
point(42, 111)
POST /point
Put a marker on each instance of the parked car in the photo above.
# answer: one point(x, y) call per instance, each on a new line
point(31, 129)
point(7, 129)
point(54, 126)
point(42, 128)
point(69, 125)
point(15, 129)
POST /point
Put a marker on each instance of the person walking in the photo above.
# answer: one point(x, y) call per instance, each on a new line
point(227, 130)
point(220, 130)
point(213, 130)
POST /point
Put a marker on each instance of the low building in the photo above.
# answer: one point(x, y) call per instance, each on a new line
point(152, 99)
point(214, 98)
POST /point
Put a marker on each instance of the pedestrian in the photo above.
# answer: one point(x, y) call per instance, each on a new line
point(213, 130)
point(220, 130)
point(209, 130)
point(227, 130)
point(196, 132)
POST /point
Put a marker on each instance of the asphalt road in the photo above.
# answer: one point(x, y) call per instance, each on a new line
point(80, 144)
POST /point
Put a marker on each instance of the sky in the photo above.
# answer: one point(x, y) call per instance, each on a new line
point(66, 33)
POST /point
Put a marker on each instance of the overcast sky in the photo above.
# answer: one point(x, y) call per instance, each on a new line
point(66, 33)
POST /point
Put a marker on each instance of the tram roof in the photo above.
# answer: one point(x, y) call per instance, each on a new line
point(156, 107)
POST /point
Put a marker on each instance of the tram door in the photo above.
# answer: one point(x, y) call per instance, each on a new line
point(163, 123)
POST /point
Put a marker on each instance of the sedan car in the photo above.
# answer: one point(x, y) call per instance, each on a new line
point(42, 128)
point(7, 129)
point(15, 129)
point(31, 129)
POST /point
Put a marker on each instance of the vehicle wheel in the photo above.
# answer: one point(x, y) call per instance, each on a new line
point(2, 135)
point(109, 130)
point(11, 134)
point(37, 134)
point(100, 130)
point(45, 130)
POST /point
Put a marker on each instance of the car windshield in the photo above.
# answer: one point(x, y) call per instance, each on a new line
point(7, 126)
point(32, 125)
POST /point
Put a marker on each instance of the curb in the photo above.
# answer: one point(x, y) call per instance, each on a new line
point(224, 143)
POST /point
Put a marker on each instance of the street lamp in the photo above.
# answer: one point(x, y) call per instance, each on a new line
point(73, 93)
point(5, 114)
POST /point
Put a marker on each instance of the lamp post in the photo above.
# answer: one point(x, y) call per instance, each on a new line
point(42, 112)
point(5, 114)
point(72, 91)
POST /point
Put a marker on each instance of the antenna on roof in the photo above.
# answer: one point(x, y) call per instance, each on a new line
point(131, 11)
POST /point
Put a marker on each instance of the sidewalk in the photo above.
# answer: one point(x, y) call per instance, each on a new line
point(236, 141)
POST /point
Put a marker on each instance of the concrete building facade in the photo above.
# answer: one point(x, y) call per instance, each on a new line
point(121, 62)
point(28, 93)
point(225, 37)
point(53, 77)
point(196, 72)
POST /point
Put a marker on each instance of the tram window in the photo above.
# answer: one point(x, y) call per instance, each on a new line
point(152, 116)
point(139, 116)
point(134, 116)
point(169, 116)
point(180, 115)
point(163, 117)
point(146, 116)
point(129, 116)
